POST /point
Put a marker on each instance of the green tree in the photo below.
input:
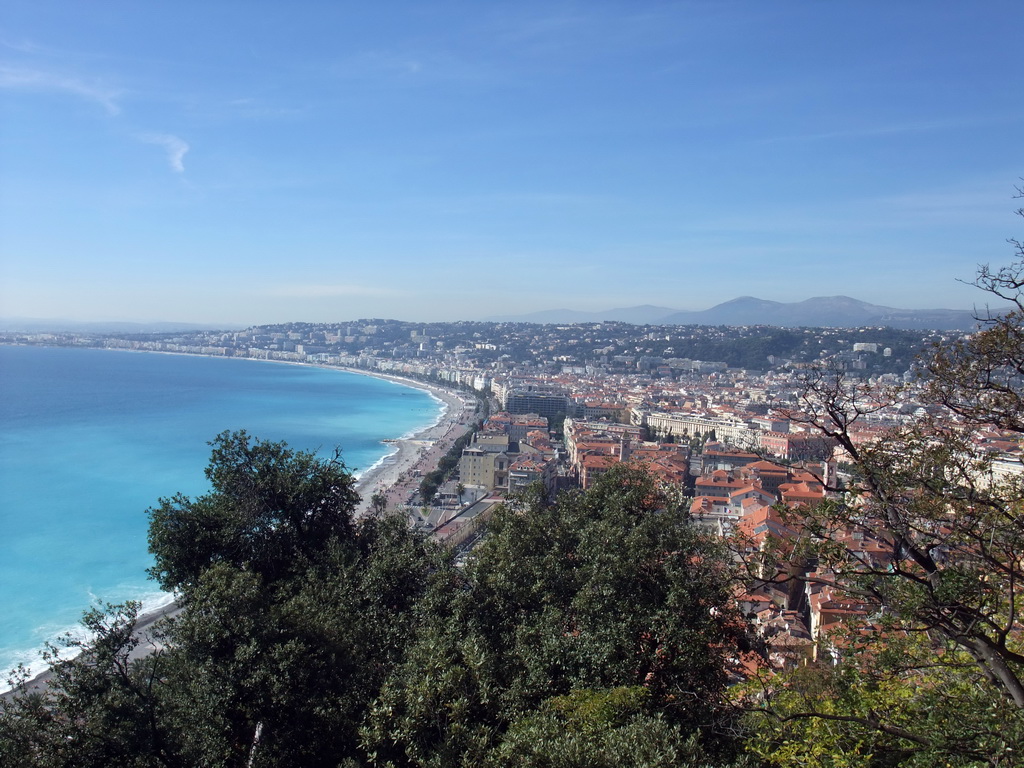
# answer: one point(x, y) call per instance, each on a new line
point(596, 729)
point(294, 613)
point(601, 589)
point(297, 663)
point(271, 511)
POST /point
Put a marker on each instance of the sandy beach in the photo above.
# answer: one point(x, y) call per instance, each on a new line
point(397, 477)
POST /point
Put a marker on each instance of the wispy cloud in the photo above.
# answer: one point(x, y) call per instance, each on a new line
point(894, 129)
point(20, 78)
point(258, 109)
point(412, 66)
point(175, 147)
point(380, 63)
point(981, 202)
point(327, 290)
point(23, 46)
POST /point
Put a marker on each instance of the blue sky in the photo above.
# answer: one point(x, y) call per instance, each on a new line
point(257, 162)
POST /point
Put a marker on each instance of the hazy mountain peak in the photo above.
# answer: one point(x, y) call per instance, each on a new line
point(819, 311)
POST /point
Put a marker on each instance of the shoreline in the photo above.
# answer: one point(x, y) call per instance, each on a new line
point(393, 475)
point(409, 449)
point(390, 466)
point(147, 643)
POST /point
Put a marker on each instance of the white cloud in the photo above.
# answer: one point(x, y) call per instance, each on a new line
point(12, 78)
point(176, 148)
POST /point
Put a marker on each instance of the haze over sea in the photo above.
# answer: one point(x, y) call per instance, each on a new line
point(90, 439)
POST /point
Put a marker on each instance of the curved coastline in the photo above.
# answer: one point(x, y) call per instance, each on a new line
point(454, 418)
point(407, 452)
point(395, 475)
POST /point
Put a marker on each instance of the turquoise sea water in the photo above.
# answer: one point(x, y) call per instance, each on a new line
point(90, 439)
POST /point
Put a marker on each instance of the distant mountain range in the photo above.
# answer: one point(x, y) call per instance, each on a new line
point(49, 325)
point(819, 312)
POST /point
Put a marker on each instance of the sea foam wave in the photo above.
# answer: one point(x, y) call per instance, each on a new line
point(58, 636)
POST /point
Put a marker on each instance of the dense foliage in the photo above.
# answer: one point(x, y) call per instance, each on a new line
point(593, 631)
point(608, 589)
